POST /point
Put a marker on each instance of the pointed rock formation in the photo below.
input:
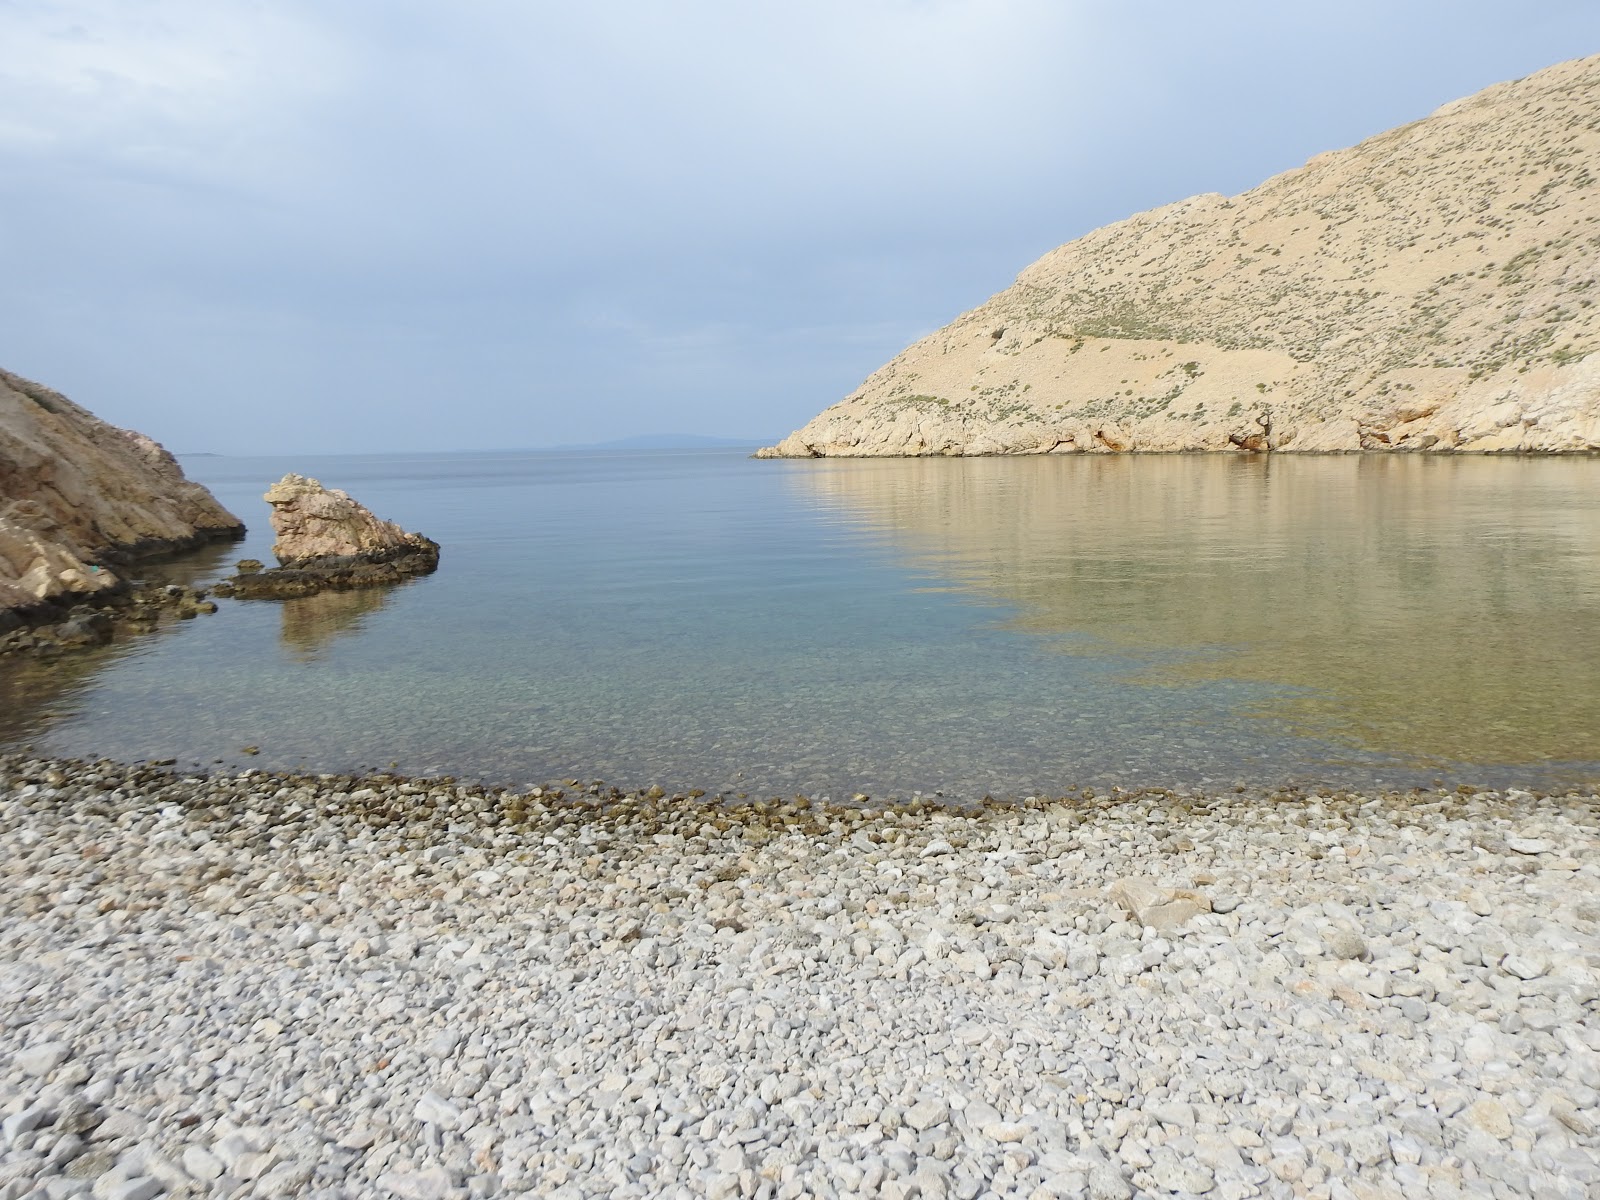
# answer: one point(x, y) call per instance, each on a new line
point(326, 539)
point(1433, 288)
point(318, 526)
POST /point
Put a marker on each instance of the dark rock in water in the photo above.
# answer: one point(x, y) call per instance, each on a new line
point(48, 629)
point(339, 573)
point(86, 627)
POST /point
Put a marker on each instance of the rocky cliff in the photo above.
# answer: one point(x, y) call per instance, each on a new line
point(1433, 288)
point(80, 497)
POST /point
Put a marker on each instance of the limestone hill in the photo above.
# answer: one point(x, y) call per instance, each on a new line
point(1432, 288)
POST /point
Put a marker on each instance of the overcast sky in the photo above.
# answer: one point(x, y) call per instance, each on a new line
point(345, 225)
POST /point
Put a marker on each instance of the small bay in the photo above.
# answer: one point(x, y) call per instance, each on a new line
point(1003, 626)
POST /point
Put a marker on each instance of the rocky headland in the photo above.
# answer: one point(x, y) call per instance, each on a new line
point(324, 986)
point(327, 540)
point(1432, 288)
point(82, 503)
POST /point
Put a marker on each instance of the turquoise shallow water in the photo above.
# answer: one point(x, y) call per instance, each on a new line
point(698, 618)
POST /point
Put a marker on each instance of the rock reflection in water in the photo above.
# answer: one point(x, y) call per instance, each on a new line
point(311, 622)
point(1443, 608)
point(193, 568)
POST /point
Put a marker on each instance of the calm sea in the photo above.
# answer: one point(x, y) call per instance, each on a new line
point(1004, 626)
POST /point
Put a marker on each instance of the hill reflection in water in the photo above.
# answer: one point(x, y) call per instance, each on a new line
point(1438, 608)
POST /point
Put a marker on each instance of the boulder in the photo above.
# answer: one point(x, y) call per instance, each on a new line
point(1163, 909)
point(322, 527)
point(328, 540)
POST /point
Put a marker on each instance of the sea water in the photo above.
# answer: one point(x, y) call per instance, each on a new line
point(1009, 626)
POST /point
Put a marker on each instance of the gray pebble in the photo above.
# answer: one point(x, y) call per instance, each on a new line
point(40, 1059)
point(276, 987)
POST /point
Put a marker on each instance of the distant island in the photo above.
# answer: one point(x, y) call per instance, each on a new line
point(663, 441)
point(1433, 288)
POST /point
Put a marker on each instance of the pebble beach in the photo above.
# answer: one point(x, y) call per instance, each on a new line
point(263, 985)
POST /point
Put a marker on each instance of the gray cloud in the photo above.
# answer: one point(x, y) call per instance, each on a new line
point(393, 225)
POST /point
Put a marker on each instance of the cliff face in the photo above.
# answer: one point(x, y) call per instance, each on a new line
point(78, 496)
point(1433, 288)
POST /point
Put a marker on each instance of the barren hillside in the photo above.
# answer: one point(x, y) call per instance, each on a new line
point(1432, 288)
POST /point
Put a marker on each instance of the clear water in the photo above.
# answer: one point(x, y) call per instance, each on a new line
point(1003, 626)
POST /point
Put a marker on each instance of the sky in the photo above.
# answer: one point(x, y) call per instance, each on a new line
point(337, 226)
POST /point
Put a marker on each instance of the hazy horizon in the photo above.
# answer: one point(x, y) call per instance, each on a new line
point(648, 441)
point(394, 228)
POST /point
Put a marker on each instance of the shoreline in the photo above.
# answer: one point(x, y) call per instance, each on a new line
point(600, 798)
point(131, 606)
point(343, 986)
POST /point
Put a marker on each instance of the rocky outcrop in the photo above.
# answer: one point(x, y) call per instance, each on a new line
point(315, 524)
point(327, 540)
point(1433, 288)
point(129, 610)
point(81, 500)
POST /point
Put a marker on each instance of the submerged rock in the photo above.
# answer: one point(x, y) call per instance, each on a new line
point(327, 539)
point(85, 627)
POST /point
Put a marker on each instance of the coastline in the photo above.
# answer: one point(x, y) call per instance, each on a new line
point(128, 606)
point(259, 984)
